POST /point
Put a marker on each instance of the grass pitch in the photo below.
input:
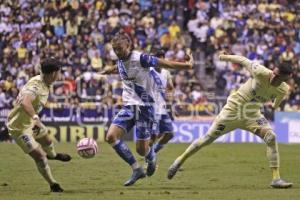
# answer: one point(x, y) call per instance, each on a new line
point(220, 171)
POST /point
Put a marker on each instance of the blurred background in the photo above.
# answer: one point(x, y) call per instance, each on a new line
point(79, 32)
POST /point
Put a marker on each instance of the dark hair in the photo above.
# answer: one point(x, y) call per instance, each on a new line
point(50, 65)
point(121, 39)
point(158, 52)
point(285, 68)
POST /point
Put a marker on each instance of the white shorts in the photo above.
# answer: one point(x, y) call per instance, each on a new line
point(228, 120)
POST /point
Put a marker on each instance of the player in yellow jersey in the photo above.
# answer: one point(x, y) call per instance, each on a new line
point(242, 110)
point(25, 126)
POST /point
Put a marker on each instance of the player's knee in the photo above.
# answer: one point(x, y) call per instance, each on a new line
point(111, 137)
point(141, 151)
point(114, 133)
point(270, 138)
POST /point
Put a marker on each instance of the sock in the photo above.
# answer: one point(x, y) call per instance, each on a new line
point(124, 152)
point(45, 171)
point(157, 147)
point(272, 149)
point(272, 153)
point(193, 148)
point(151, 154)
point(50, 150)
point(276, 174)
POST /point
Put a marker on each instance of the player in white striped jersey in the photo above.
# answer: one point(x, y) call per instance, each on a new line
point(163, 132)
point(138, 100)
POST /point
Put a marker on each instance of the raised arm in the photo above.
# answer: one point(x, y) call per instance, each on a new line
point(245, 62)
point(152, 61)
point(174, 65)
point(109, 70)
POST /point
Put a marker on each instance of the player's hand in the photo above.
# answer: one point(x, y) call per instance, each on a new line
point(103, 72)
point(189, 59)
point(38, 126)
point(221, 53)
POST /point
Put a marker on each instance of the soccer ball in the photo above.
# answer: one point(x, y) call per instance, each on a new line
point(87, 147)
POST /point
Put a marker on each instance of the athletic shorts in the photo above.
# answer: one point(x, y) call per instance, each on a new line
point(229, 119)
point(26, 139)
point(134, 115)
point(163, 124)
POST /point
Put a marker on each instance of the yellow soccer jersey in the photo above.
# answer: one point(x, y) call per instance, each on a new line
point(257, 89)
point(18, 119)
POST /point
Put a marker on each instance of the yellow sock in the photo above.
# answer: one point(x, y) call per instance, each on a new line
point(276, 174)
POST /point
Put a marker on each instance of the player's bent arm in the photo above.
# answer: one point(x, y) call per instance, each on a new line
point(27, 105)
point(245, 62)
point(173, 65)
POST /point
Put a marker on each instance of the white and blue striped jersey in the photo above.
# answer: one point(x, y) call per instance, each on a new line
point(138, 84)
point(160, 79)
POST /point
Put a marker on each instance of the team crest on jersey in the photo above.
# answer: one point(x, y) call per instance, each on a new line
point(261, 121)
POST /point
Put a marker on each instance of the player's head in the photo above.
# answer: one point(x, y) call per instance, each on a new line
point(122, 45)
point(282, 73)
point(158, 52)
point(50, 68)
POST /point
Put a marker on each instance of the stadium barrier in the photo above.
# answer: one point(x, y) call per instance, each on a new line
point(65, 129)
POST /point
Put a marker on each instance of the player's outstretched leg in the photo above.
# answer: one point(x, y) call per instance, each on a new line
point(44, 169)
point(48, 146)
point(273, 157)
point(193, 148)
point(113, 135)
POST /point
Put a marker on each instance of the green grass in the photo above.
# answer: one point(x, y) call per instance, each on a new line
point(221, 171)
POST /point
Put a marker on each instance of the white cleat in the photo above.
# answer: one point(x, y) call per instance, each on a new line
point(279, 183)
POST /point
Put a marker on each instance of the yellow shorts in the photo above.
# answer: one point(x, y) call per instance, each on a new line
point(26, 139)
point(229, 119)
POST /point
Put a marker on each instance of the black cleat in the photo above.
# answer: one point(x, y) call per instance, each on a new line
point(61, 157)
point(56, 188)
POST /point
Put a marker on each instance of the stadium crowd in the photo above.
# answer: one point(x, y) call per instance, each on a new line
point(79, 33)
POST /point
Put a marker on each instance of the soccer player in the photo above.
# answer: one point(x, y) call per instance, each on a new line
point(25, 126)
point(164, 86)
point(242, 110)
point(138, 99)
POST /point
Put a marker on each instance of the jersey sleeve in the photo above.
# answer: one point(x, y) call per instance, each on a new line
point(148, 61)
point(256, 70)
point(31, 90)
point(282, 95)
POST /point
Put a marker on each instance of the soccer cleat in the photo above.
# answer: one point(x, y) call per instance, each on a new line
point(279, 183)
point(136, 175)
point(56, 188)
point(61, 157)
point(151, 166)
point(173, 170)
